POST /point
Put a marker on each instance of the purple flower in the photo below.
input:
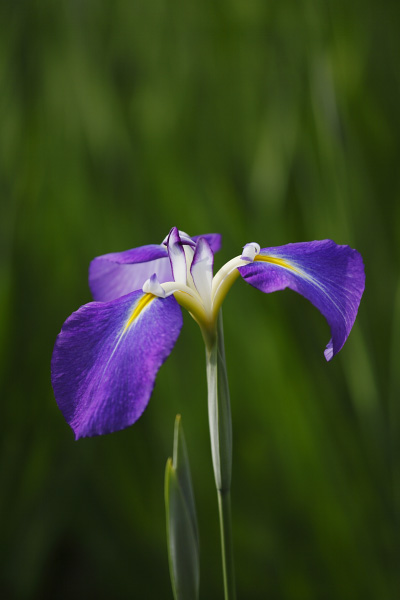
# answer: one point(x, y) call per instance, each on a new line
point(107, 355)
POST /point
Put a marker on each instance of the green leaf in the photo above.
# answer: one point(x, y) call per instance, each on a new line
point(182, 530)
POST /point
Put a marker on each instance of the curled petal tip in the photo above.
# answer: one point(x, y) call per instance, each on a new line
point(173, 233)
point(250, 251)
point(153, 286)
point(328, 352)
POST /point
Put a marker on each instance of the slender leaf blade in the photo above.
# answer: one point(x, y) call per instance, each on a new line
point(182, 530)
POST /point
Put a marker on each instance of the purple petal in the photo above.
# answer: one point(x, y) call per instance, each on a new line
point(330, 276)
point(114, 275)
point(214, 240)
point(106, 358)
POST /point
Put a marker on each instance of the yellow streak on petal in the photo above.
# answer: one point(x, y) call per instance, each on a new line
point(276, 261)
point(140, 305)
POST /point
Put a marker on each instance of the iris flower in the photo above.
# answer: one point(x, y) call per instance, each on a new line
point(108, 352)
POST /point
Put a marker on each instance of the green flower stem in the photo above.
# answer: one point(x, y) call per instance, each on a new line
point(219, 412)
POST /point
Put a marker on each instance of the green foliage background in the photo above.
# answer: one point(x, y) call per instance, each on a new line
point(265, 120)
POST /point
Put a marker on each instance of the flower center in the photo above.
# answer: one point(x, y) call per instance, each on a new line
point(193, 285)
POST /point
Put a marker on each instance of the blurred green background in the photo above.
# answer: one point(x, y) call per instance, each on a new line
point(263, 120)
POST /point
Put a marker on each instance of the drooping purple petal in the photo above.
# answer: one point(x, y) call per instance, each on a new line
point(106, 358)
point(330, 276)
point(118, 273)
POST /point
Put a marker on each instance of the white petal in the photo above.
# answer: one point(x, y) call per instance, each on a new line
point(177, 256)
point(250, 251)
point(202, 271)
point(153, 286)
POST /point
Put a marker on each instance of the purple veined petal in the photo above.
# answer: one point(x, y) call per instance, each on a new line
point(214, 240)
point(330, 276)
point(116, 274)
point(106, 358)
point(202, 270)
